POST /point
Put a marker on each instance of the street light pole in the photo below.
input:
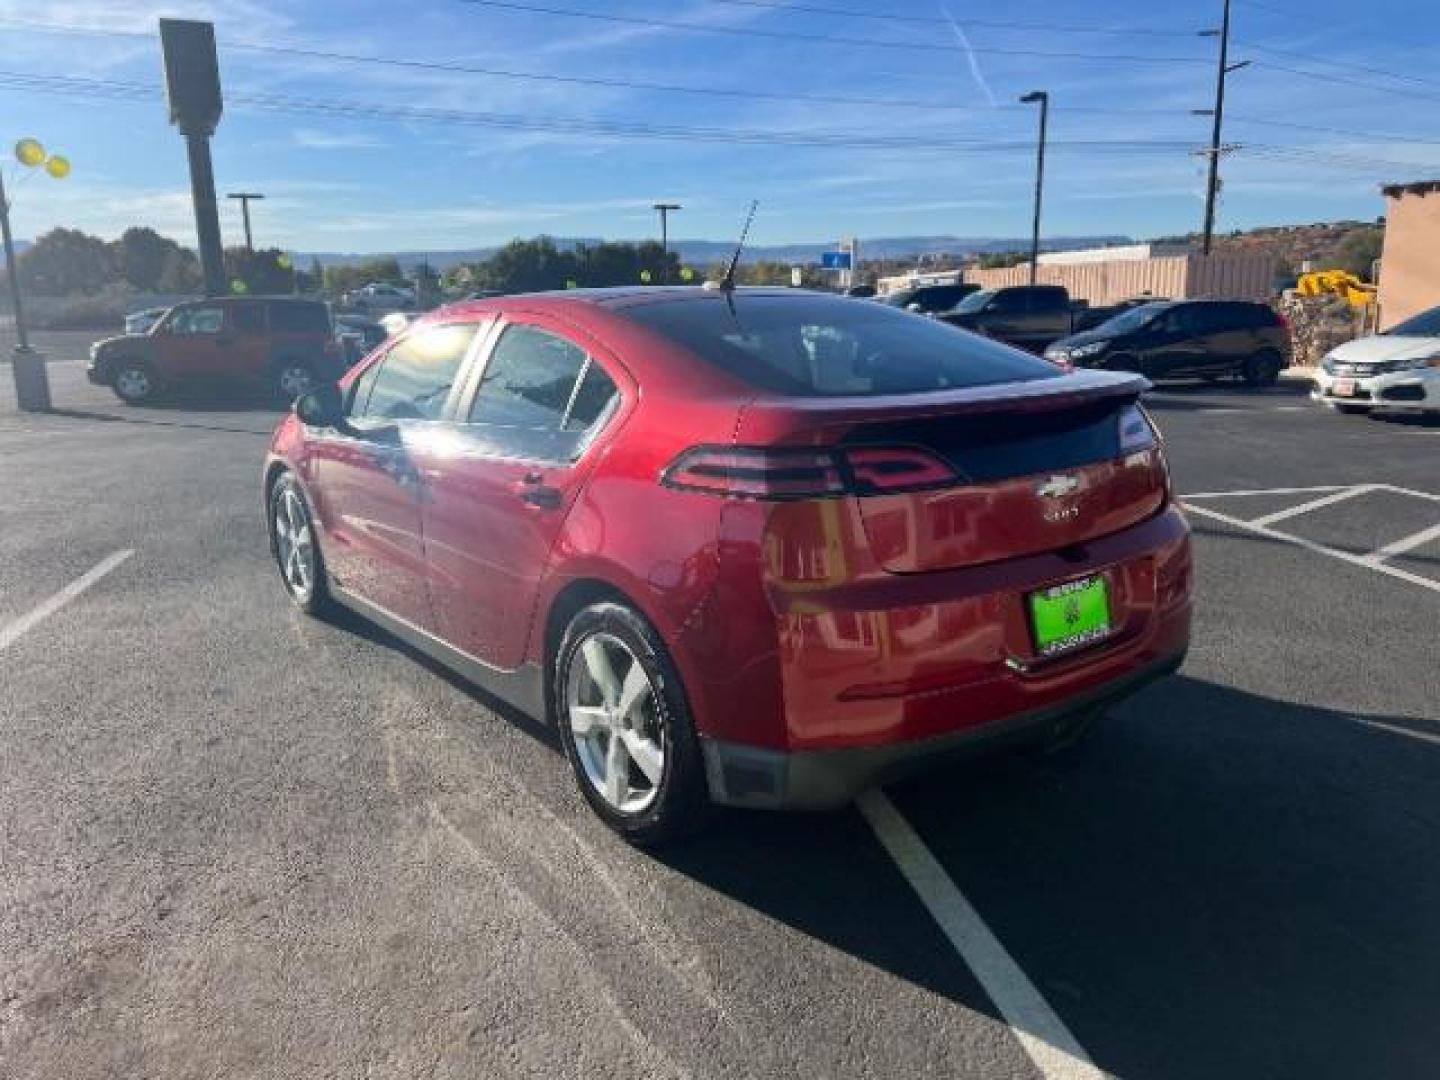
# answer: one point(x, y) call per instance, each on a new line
point(664, 208)
point(22, 338)
point(245, 197)
point(1043, 99)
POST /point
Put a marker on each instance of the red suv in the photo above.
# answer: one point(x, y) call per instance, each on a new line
point(284, 344)
point(762, 548)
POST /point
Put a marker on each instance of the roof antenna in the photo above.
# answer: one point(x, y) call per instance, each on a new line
point(727, 283)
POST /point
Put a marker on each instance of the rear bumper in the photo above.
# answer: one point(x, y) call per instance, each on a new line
point(756, 777)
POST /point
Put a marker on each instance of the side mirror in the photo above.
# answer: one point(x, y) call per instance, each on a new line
point(321, 407)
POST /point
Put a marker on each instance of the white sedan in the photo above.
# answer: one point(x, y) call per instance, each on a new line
point(1398, 370)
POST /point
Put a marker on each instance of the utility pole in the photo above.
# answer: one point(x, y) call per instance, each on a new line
point(245, 198)
point(664, 208)
point(192, 91)
point(1043, 99)
point(1222, 70)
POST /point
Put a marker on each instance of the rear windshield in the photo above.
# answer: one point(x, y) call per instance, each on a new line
point(299, 318)
point(821, 346)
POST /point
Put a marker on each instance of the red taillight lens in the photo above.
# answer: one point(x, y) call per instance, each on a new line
point(776, 474)
point(748, 472)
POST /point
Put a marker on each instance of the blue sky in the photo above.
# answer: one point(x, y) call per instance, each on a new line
point(362, 183)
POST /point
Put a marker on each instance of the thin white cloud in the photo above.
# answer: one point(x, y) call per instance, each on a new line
point(970, 57)
point(314, 139)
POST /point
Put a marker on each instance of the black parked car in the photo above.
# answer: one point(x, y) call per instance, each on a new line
point(930, 299)
point(1027, 316)
point(1182, 338)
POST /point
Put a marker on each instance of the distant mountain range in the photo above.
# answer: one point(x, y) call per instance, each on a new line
point(705, 252)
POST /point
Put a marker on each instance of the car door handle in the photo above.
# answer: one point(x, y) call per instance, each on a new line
point(540, 496)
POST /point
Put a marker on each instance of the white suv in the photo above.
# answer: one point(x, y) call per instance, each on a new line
point(1398, 369)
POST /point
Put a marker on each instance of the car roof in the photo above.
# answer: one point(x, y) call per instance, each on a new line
point(616, 299)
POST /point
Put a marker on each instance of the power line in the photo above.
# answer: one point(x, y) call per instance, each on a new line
point(932, 20)
point(1330, 61)
point(109, 89)
point(827, 39)
point(1342, 80)
point(1325, 157)
point(1323, 129)
point(597, 81)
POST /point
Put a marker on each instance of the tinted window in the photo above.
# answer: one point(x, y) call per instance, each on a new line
point(594, 398)
point(820, 346)
point(197, 320)
point(975, 301)
point(1052, 299)
point(1011, 302)
point(1426, 324)
point(299, 318)
point(529, 380)
point(247, 318)
point(414, 379)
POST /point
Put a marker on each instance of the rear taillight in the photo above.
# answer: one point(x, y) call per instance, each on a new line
point(748, 472)
point(1136, 431)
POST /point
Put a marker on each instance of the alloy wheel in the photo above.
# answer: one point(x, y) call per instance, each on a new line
point(612, 708)
point(294, 381)
point(294, 543)
point(133, 383)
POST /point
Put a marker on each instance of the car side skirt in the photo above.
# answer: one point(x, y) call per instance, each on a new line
point(522, 688)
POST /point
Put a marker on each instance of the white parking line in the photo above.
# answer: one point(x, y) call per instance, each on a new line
point(1404, 544)
point(1265, 491)
point(1313, 504)
point(27, 622)
point(1042, 1034)
point(1319, 549)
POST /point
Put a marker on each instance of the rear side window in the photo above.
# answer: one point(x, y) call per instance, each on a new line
point(299, 319)
point(247, 318)
point(541, 396)
point(820, 346)
point(414, 380)
point(1049, 299)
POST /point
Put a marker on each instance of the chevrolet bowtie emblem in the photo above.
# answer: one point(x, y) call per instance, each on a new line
point(1056, 487)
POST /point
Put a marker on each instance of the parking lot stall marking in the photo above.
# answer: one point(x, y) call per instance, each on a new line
point(1315, 504)
point(27, 622)
point(1264, 491)
point(1367, 561)
point(1404, 544)
point(1042, 1034)
point(1408, 491)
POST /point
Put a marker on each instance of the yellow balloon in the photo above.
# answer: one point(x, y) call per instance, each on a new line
point(645, 276)
point(29, 152)
point(58, 167)
point(688, 274)
point(239, 287)
point(283, 261)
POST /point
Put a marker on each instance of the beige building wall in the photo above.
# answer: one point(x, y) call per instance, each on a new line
point(1410, 263)
point(1178, 277)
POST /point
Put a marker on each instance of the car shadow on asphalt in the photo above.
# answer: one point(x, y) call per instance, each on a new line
point(1216, 884)
point(149, 419)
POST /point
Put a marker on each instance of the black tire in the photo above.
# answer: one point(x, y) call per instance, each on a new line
point(1262, 370)
point(681, 802)
point(1066, 734)
point(314, 599)
point(1350, 410)
point(1125, 362)
point(134, 382)
point(292, 378)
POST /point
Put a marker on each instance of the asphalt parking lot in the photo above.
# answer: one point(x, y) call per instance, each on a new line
point(239, 842)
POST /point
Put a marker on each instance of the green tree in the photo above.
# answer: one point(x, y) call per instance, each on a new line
point(67, 262)
point(342, 277)
point(140, 255)
point(259, 272)
point(527, 266)
point(180, 274)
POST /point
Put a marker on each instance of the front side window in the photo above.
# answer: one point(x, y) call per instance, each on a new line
point(299, 318)
point(414, 379)
point(197, 320)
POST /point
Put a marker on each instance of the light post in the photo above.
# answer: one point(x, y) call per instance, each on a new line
point(1043, 99)
point(245, 198)
point(664, 209)
point(32, 386)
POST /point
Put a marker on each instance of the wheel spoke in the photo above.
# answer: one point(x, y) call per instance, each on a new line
point(617, 772)
point(302, 538)
point(645, 754)
point(602, 672)
point(585, 720)
point(634, 691)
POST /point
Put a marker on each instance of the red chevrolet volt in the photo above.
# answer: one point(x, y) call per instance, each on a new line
point(759, 548)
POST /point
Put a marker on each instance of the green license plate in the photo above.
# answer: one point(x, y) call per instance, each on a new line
point(1070, 616)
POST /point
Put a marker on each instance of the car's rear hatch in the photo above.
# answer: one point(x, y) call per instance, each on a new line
point(1038, 466)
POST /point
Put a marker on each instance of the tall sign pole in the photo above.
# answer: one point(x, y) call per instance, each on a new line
point(1041, 98)
point(1222, 72)
point(192, 90)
